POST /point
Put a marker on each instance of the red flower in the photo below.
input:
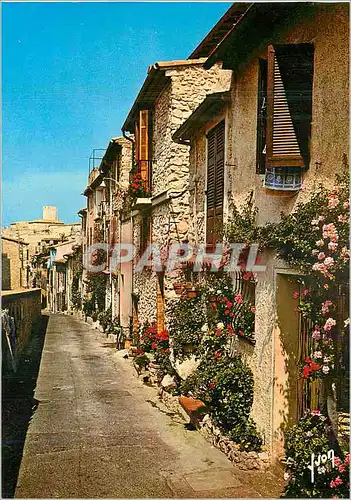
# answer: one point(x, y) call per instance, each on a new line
point(217, 354)
point(212, 385)
point(314, 366)
point(163, 335)
point(154, 345)
point(308, 360)
point(296, 295)
point(306, 371)
point(226, 312)
point(247, 276)
point(229, 304)
point(241, 332)
point(218, 332)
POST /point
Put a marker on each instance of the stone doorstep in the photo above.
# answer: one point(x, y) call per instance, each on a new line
point(195, 408)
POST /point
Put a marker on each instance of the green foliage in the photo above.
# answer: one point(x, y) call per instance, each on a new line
point(226, 386)
point(96, 288)
point(311, 436)
point(105, 319)
point(242, 226)
point(186, 318)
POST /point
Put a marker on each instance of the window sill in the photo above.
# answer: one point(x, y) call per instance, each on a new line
point(283, 179)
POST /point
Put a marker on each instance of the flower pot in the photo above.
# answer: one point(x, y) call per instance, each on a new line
point(178, 288)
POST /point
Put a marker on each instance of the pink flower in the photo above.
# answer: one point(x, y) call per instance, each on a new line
point(316, 412)
point(337, 461)
point(238, 298)
point(332, 484)
point(305, 292)
point(347, 459)
point(229, 304)
point(319, 243)
point(316, 335)
point(317, 354)
point(338, 481)
point(321, 256)
point(329, 262)
point(342, 218)
point(315, 252)
point(253, 309)
point(296, 295)
point(325, 306)
point(325, 369)
point(346, 205)
point(332, 246)
point(329, 324)
point(342, 468)
point(321, 218)
point(333, 201)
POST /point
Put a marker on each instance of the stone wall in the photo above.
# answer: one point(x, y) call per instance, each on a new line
point(14, 256)
point(328, 30)
point(25, 307)
point(187, 88)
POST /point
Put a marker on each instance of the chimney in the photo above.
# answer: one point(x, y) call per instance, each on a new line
point(49, 213)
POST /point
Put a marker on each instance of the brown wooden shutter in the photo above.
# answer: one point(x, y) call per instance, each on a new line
point(144, 145)
point(215, 183)
point(289, 105)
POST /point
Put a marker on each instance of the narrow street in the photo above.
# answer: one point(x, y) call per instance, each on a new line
point(99, 432)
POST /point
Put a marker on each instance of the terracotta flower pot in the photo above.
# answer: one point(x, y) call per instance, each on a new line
point(178, 288)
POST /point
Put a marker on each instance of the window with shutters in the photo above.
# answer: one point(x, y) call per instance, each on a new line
point(215, 184)
point(288, 104)
point(143, 146)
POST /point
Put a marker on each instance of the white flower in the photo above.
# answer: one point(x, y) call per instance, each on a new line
point(204, 328)
point(325, 369)
point(321, 470)
point(220, 326)
point(347, 322)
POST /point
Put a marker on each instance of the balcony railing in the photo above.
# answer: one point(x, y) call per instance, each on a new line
point(283, 178)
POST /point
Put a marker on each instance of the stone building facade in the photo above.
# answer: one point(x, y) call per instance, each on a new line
point(323, 29)
point(14, 269)
point(39, 235)
point(170, 93)
point(101, 218)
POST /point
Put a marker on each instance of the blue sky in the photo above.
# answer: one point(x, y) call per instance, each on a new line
point(71, 72)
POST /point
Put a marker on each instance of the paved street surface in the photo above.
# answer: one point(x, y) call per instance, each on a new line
point(99, 432)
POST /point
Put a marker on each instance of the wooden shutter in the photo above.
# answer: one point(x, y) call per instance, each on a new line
point(215, 183)
point(144, 145)
point(289, 105)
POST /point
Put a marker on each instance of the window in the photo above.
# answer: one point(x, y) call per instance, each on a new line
point(215, 183)
point(143, 146)
point(285, 114)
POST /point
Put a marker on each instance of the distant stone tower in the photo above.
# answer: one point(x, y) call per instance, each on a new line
point(49, 213)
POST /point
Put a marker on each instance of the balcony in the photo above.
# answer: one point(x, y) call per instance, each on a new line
point(283, 178)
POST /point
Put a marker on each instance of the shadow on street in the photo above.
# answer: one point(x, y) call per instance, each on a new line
point(18, 406)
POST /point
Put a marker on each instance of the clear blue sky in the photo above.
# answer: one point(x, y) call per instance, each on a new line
point(71, 72)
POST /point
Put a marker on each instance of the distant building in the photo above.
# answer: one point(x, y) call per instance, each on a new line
point(39, 234)
point(14, 255)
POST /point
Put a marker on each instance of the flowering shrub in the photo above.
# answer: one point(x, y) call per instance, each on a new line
point(311, 436)
point(226, 386)
point(186, 320)
point(228, 306)
point(137, 187)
